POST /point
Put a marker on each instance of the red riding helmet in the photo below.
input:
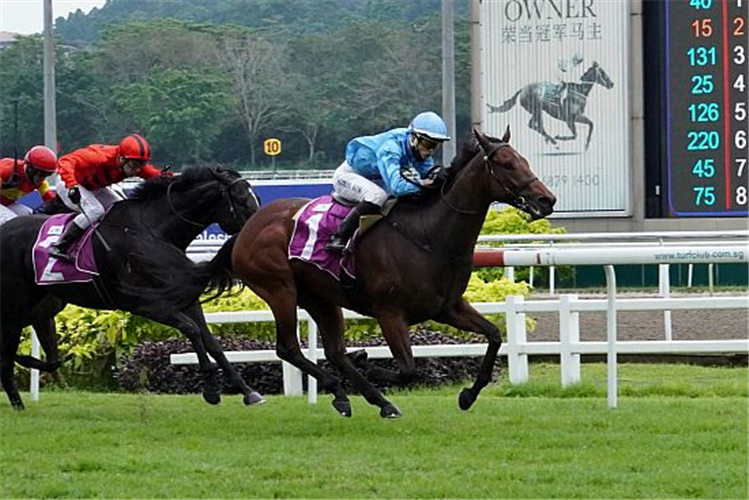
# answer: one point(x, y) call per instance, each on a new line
point(135, 147)
point(42, 158)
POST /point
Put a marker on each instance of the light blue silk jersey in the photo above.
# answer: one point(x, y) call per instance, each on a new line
point(388, 156)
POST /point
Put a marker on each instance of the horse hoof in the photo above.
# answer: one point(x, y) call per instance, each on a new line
point(343, 408)
point(18, 406)
point(212, 398)
point(390, 411)
point(253, 398)
point(466, 399)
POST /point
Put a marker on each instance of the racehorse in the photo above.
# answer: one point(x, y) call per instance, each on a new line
point(412, 266)
point(538, 97)
point(139, 250)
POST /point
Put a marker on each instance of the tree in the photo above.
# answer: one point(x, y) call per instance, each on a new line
point(259, 83)
point(131, 52)
point(179, 111)
point(22, 85)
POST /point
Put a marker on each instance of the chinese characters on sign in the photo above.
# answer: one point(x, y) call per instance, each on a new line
point(556, 72)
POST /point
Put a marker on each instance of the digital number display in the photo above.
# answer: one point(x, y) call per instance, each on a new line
point(706, 107)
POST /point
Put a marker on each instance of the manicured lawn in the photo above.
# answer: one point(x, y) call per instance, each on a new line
point(679, 432)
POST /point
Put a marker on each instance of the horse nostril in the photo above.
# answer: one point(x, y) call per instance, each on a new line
point(546, 202)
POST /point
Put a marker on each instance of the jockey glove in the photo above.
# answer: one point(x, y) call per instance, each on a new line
point(74, 195)
point(438, 174)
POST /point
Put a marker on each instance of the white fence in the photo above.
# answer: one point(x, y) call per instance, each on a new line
point(569, 346)
point(516, 347)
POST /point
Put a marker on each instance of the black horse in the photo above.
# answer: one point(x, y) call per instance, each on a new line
point(139, 250)
point(411, 267)
point(546, 96)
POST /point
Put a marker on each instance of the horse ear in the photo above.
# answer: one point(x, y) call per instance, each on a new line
point(506, 137)
point(483, 141)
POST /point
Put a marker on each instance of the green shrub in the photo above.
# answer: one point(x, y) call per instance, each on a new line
point(513, 221)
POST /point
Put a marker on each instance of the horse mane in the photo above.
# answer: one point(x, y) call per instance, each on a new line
point(469, 147)
point(156, 186)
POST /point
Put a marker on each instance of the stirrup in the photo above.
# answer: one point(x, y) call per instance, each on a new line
point(60, 254)
point(336, 244)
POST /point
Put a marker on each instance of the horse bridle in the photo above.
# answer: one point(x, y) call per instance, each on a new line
point(516, 199)
point(224, 195)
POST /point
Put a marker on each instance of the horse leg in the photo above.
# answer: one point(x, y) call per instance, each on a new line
point(463, 316)
point(586, 121)
point(532, 103)
point(46, 333)
point(42, 319)
point(251, 396)
point(209, 373)
point(10, 337)
point(329, 320)
point(283, 304)
point(395, 331)
point(573, 129)
point(537, 123)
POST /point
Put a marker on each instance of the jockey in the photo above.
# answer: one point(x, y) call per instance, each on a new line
point(87, 175)
point(568, 70)
point(392, 163)
point(20, 177)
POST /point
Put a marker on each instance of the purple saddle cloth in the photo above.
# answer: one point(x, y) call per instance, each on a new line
point(314, 224)
point(52, 271)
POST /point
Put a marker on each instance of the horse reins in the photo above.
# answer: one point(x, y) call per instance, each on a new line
point(224, 194)
point(517, 200)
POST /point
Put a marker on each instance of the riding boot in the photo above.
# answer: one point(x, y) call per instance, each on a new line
point(349, 225)
point(60, 249)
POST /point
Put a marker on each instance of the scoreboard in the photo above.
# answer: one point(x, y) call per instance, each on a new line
point(699, 88)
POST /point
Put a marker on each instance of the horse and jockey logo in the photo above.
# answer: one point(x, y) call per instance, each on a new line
point(564, 101)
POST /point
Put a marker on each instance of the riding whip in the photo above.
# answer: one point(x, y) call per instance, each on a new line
point(96, 230)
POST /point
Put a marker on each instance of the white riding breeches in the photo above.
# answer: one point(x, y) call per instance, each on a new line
point(94, 204)
point(354, 187)
point(12, 211)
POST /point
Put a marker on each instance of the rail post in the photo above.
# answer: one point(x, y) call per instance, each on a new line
point(312, 355)
point(34, 377)
point(569, 333)
point(517, 359)
point(611, 368)
point(292, 376)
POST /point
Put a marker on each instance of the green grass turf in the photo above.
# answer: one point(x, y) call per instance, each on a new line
point(679, 432)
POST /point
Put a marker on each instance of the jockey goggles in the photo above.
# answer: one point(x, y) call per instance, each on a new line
point(36, 176)
point(426, 143)
point(132, 166)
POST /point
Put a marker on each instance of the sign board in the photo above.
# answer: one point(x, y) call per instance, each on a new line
point(272, 146)
point(557, 74)
point(702, 78)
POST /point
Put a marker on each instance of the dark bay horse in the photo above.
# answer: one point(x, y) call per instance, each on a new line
point(537, 98)
point(147, 235)
point(412, 266)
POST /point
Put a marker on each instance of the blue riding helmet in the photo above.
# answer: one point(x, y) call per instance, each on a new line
point(430, 125)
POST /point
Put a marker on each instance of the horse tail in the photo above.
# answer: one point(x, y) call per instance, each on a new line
point(508, 104)
point(219, 270)
point(178, 280)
